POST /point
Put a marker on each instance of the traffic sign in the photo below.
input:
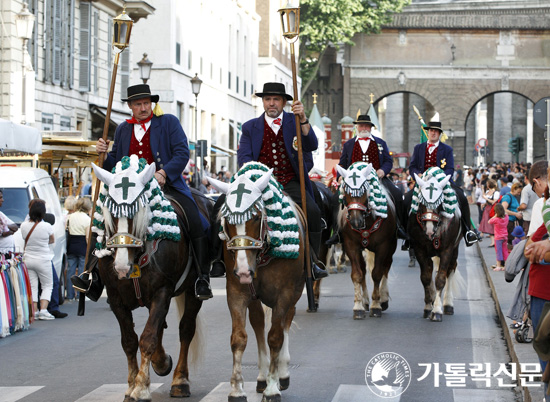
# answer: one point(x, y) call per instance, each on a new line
point(540, 112)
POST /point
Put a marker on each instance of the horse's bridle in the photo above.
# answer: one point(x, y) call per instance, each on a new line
point(430, 217)
point(124, 240)
point(240, 242)
point(355, 206)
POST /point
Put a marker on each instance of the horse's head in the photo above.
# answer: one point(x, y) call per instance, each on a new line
point(244, 221)
point(431, 196)
point(124, 212)
point(355, 190)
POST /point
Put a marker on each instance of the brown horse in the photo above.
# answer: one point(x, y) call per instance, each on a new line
point(435, 232)
point(140, 272)
point(257, 273)
point(368, 222)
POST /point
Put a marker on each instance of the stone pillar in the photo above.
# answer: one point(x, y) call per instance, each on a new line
point(502, 126)
point(471, 139)
point(519, 122)
point(394, 122)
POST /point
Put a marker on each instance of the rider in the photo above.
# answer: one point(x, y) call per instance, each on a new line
point(161, 140)
point(436, 153)
point(366, 147)
point(270, 139)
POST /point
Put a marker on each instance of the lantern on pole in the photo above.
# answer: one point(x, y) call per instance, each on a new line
point(290, 23)
point(121, 40)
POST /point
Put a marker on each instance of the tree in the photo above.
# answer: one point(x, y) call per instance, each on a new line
point(334, 22)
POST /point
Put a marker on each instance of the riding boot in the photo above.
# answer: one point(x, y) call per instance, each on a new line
point(335, 239)
point(202, 285)
point(469, 235)
point(218, 266)
point(315, 244)
point(82, 282)
point(406, 245)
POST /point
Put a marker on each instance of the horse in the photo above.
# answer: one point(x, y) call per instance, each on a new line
point(435, 233)
point(367, 222)
point(263, 234)
point(144, 260)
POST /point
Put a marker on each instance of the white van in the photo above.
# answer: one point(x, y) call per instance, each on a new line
point(20, 185)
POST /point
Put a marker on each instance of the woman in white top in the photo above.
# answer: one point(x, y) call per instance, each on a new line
point(38, 256)
point(78, 224)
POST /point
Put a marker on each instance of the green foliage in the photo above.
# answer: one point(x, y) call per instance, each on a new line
point(335, 22)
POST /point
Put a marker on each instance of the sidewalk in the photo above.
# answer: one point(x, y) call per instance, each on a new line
point(502, 293)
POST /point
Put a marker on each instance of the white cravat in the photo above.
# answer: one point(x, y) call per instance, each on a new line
point(270, 122)
point(139, 132)
point(432, 149)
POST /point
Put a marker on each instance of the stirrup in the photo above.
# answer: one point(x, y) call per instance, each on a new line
point(317, 272)
point(406, 245)
point(470, 238)
point(203, 296)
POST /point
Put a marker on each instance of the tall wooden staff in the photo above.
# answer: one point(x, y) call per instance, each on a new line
point(290, 20)
point(121, 40)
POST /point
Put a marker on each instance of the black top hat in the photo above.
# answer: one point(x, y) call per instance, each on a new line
point(140, 91)
point(274, 88)
point(364, 119)
point(436, 125)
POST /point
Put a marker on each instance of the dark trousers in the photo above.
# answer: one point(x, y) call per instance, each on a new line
point(191, 211)
point(292, 188)
point(53, 305)
point(397, 198)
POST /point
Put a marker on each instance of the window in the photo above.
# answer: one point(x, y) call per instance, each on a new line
point(179, 111)
point(229, 79)
point(58, 41)
point(178, 53)
point(244, 88)
point(65, 123)
point(33, 43)
point(124, 72)
point(95, 53)
point(189, 60)
point(85, 48)
point(109, 51)
point(47, 122)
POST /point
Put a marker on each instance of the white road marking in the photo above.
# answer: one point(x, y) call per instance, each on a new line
point(358, 393)
point(110, 393)
point(12, 394)
point(481, 395)
point(221, 392)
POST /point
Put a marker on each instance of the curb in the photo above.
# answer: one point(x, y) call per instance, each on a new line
point(502, 319)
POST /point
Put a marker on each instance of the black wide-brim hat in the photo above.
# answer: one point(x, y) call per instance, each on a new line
point(364, 119)
point(274, 88)
point(140, 91)
point(436, 125)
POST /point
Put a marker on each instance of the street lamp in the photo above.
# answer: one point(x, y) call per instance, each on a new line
point(145, 66)
point(24, 24)
point(290, 22)
point(196, 88)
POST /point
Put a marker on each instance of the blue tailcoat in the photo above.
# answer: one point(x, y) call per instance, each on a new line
point(445, 159)
point(386, 161)
point(252, 137)
point(168, 146)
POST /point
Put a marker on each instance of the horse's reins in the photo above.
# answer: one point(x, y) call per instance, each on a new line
point(363, 231)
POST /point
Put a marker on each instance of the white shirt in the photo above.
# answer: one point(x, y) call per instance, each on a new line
point(364, 144)
point(6, 243)
point(270, 120)
point(78, 223)
point(536, 216)
point(38, 243)
point(139, 132)
point(431, 149)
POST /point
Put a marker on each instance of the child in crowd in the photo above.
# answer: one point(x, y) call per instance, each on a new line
point(518, 234)
point(500, 223)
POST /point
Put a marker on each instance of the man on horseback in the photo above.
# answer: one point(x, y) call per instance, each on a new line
point(368, 148)
point(161, 140)
point(436, 153)
point(271, 139)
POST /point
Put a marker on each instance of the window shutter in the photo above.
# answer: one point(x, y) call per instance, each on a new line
point(109, 52)
point(57, 42)
point(48, 34)
point(95, 54)
point(69, 48)
point(124, 72)
point(84, 53)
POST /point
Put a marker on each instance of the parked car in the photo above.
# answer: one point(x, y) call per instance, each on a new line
point(20, 185)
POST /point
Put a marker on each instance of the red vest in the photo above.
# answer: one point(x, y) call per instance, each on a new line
point(430, 160)
point(371, 156)
point(273, 155)
point(142, 148)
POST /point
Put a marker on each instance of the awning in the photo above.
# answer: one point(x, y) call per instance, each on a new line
point(117, 117)
point(222, 150)
point(17, 137)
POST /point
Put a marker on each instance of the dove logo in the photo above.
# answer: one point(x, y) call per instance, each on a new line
point(388, 375)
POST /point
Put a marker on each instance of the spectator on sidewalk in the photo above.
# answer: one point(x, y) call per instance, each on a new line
point(500, 223)
point(511, 204)
point(7, 229)
point(78, 224)
point(527, 200)
point(491, 196)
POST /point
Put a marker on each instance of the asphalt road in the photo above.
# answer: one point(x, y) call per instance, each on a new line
point(80, 358)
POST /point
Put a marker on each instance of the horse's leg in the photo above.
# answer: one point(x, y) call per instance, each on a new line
point(237, 307)
point(149, 341)
point(187, 326)
point(440, 280)
point(284, 357)
point(426, 274)
point(448, 300)
point(160, 360)
point(275, 340)
point(359, 284)
point(376, 264)
point(317, 292)
point(368, 267)
point(331, 266)
point(129, 339)
point(257, 320)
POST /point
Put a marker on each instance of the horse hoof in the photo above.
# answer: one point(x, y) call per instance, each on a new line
point(367, 306)
point(448, 310)
point(385, 305)
point(128, 398)
point(284, 383)
point(261, 386)
point(237, 398)
point(272, 398)
point(166, 371)
point(180, 391)
point(376, 312)
point(426, 313)
point(359, 314)
point(437, 317)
